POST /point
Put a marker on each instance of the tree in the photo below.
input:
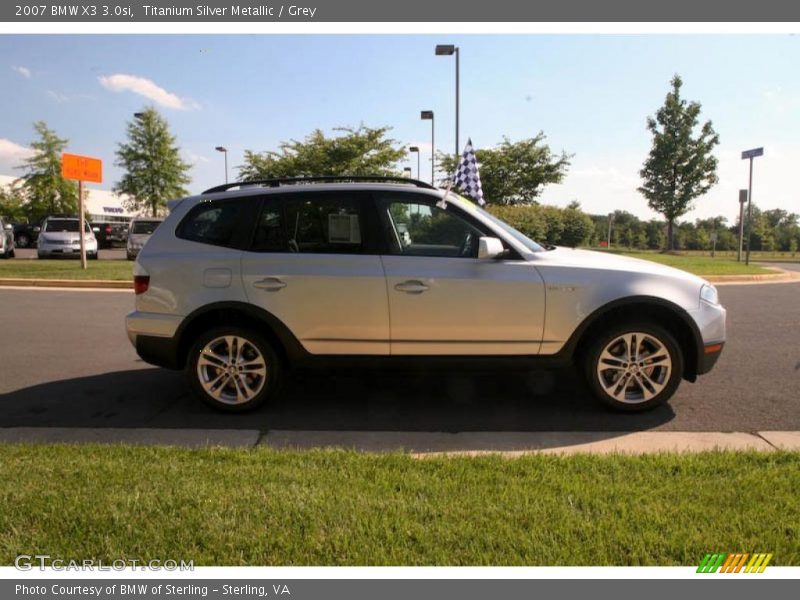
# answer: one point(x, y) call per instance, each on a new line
point(12, 202)
point(45, 190)
point(154, 170)
point(680, 166)
point(361, 151)
point(514, 172)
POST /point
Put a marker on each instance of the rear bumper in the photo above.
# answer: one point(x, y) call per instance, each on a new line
point(154, 337)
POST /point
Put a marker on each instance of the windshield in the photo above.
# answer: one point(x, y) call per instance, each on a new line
point(62, 225)
point(145, 227)
point(517, 235)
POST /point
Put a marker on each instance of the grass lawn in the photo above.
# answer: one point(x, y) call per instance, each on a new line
point(264, 507)
point(66, 269)
point(699, 264)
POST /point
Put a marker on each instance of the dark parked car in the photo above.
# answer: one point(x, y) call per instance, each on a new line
point(25, 235)
point(109, 234)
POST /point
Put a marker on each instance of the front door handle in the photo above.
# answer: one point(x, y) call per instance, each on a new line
point(270, 284)
point(411, 287)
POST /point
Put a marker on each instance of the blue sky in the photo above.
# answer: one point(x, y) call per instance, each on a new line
point(590, 94)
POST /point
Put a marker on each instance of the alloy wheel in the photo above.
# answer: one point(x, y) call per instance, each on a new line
point(231, 369)
point(634, 367)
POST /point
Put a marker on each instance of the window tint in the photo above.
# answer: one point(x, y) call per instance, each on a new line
point(144, 227)
point(424, 229)
point(212, 223)
point(310, 223)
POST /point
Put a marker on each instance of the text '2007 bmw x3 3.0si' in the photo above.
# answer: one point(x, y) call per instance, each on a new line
point(238, 285)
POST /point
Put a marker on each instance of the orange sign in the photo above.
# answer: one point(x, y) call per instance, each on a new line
point(82, 168)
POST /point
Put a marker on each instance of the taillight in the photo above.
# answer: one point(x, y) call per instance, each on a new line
point(141, 283)
point(108, 229)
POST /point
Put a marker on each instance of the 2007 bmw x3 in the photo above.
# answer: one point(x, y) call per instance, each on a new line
point(238, 285)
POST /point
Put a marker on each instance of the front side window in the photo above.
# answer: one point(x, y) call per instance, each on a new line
point(310, 223)
point(420, 228)
point(212, 223)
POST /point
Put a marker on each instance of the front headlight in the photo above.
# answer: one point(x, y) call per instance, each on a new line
point(709, 294)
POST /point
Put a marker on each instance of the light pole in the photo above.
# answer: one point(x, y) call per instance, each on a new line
point(742, 200)
point(224, 150)
point(427, 115)
point(750, 155)
point(415, 149)
point(610, 222)
point(449, 50)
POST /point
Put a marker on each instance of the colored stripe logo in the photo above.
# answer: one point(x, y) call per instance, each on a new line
point(719, 562)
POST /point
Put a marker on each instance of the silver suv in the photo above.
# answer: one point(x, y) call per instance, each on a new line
point(238, 285)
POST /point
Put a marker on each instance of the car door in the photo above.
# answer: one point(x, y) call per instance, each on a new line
point(443, 300)
point(312, 265)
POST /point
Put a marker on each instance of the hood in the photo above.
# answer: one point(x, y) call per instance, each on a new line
point(138, 238)
point(589, 259)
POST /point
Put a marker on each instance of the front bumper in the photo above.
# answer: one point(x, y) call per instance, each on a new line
point(710, 320)
point(49, 249)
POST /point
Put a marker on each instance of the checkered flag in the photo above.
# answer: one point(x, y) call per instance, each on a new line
point(467, 178)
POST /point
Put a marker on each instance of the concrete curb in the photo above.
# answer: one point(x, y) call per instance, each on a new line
point(780, 276)
point(419, 444)
point(100, 284)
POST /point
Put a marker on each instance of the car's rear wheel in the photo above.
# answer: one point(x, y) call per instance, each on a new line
point(633, 367)
point(233, 369)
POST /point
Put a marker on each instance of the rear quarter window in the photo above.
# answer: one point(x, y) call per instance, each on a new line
point(217, 223)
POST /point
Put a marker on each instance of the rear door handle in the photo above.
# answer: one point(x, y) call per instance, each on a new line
point(411, 287)
point(270, 284)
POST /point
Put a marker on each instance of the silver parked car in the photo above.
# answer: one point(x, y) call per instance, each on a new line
point(238, 285)
point(60, 237)
point(139, 232)
point(6, 239)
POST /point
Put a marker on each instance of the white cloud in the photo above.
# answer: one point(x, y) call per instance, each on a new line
point(9, 149)
point(120, 82)
point(196, 158)
point(24, 71)
point(58, 97)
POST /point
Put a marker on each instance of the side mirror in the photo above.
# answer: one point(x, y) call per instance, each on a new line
point(490, 247)
point(96, 229)
point(9, 227)
point(37, 229)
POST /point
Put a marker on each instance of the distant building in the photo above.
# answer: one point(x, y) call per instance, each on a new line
point(102, 206)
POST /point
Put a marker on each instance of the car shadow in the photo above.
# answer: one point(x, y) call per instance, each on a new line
point(391, 400)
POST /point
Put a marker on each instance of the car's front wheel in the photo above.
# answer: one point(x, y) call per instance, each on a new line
point(233, 369)
point(633, 367)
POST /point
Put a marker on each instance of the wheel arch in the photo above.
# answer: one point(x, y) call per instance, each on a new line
point(661, 311)
point(240, 314)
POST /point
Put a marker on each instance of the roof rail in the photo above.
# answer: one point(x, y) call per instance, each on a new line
point(277, 182)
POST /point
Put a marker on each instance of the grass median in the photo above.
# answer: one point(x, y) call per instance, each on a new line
point(118, 270)
point(266, 507)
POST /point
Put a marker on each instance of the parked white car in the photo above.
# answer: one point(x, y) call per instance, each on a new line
point(60, 237)
point(238, 285)
point(6, 239)
point(139, 232)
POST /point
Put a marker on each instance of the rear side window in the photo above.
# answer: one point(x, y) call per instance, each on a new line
point(213, 223)
point(310, 223)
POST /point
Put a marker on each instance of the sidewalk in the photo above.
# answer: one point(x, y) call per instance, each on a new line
point(419, 444)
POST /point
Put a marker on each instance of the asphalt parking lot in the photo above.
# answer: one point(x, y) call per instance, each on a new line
point(106, 254)
point(65, 361)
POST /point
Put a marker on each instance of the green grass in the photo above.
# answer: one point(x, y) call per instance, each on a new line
point(699, 264)
point(66, 269)
point(265, 507)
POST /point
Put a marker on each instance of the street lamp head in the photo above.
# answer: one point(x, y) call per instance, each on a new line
point(426, 115)
point(445, 50)
point(413, 148)
point(139, 115)
point(407, 170)
point(221, 149)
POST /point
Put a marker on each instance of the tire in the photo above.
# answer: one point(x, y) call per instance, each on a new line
point(645, 387)
point(12, 253)
point(22, 241)
point(131, 257)
point(92, 256)
point(252, 391)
